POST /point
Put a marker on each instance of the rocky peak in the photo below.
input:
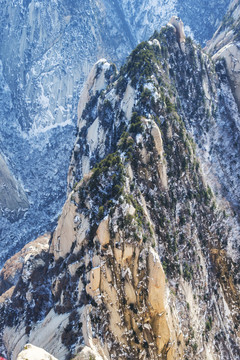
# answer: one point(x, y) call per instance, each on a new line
point(177, 23)
point(34, 353)
point(99, 78)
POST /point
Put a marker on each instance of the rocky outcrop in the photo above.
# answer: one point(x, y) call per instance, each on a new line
point(34, 353)
point(96, 136)
point(19, 263)
point(177, 23)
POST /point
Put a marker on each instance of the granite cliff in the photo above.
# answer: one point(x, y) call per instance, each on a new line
point(225, 45)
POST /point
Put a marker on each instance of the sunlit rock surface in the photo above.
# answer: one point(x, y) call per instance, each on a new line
point(34, 353)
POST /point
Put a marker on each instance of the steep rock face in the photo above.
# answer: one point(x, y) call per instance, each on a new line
point(225, 44)
point(47, 49)
point(209, 15)
point(94, 135)
point(144, 261)
point(201, 18)
point(14, 267)
point(177, 23)
point(13, 200)
point(210, 112)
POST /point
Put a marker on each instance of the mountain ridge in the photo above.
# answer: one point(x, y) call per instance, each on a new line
point(145, 211)
point(42, 86)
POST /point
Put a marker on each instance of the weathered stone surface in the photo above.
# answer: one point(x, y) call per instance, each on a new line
point(225, 45)
point(87, 353)
point(34, 353)
point(13, 200)
point(159, 147)
point(13, 268)
point(178, 25)
point(94, 283)
point(103, 232)
point(65, 231)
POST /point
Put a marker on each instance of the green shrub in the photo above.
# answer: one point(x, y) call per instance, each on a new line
point(194, 347)
point(187, 272)
point(126, 142)
point(208, 325)
point(100, 213)
point(145, 95)
point(170, 106)
point(141, 61)
point(136, 124)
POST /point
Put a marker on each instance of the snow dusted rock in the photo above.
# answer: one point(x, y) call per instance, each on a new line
point(47, 50)
point(32, 352)
point(96, 82)
point(87, 354)
point(226, 44)
point(13, 200)
point(200, 18)
point(95, 137)
point(177, 23)
point(18, 264)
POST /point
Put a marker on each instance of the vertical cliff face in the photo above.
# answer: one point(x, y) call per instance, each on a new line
point(209, 14)
point(144, 261)
point(13, 200)
point(210, 113)
point(47, 49)
point(201, 19)
point(225, 45)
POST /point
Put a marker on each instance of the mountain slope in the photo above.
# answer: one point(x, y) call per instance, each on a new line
point(47, 49)
point(144, 261)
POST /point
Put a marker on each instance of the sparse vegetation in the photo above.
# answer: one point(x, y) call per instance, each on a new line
point(136, 124)
point(208, 325)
